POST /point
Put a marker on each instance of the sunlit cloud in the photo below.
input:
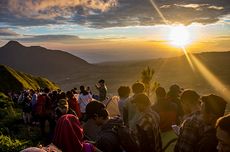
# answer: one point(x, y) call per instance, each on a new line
point(46, 9)
point(7, 32)
point(111, 13)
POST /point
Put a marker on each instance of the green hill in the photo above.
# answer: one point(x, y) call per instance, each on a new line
point(12, 80)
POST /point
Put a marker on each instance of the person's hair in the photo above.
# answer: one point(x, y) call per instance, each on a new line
point(96, 108)
point(142, 99)
point(83, 91)
point(46, 90)
point(160, 92)
point(62, 95)
point(138, 87)
point(214, 105)
point(123, 91)
point(69, 94)
point(224, 123)
point(190, 96)
point(101, 81)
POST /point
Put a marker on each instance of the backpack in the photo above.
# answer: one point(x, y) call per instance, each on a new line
point(41, 105)
point(126, 138)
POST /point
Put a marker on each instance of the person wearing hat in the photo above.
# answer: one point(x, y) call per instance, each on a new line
point(147, 127)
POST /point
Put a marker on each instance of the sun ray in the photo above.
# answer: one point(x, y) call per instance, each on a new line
point(211, 78)
point(208, 75)
point(187, 55)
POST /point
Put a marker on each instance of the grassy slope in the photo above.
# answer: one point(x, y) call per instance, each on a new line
point(11, 80)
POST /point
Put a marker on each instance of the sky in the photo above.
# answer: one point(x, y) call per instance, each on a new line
point(115, 30)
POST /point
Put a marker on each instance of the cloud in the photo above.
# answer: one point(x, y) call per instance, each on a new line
point(61, 39)
point(49, 38)
point(7, 32)
point(224, 37)
point(111, 13)
point(40, 12)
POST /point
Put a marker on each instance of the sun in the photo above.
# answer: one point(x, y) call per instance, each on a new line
point(179, 36)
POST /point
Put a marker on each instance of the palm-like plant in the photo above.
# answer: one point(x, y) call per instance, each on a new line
point(147, 78)
point(147, 75)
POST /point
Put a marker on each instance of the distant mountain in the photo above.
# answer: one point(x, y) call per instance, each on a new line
point(12, 80)
point(40, 61)
point(169, 71)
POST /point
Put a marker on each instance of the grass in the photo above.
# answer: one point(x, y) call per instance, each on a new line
point(12, 80)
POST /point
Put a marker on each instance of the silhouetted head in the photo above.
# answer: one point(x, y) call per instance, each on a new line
point(97, 111)
point(142, 102)
point(213, 105)
point(160, 92)
point(46, 90)
point(223, 133)
point(138, 87)
point(69, 94)
point(190, 101)
point(175, 89)
point(123, 91)
point(101, 81)
point(62, 108)
point(83, 91)
point(62, 95)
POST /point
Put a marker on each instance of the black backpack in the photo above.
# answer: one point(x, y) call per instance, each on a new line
point(126, 138)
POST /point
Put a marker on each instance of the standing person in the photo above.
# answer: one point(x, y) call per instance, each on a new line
point(27, 108)
point(223, 133)
point(130, 112)
point(83, 99)
point(197, 133)
point(101, 87)
point(212, 108)
point(123, 92)
point(88, 89)
point(193, 125)
point(166, 110)
point(73, 103)
point(147, 127)
point(174, 96)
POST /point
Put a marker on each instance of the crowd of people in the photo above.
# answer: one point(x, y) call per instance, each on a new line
point(80, 121)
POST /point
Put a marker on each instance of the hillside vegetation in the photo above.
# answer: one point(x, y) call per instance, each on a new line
point(12, 80)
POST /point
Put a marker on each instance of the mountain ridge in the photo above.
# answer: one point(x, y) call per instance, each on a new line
point(40, 61)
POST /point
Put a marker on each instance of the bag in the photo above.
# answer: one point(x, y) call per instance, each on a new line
point(126, 138)
point(87, 147)
point(41, 106)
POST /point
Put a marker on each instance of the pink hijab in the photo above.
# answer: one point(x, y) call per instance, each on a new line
point(68, 135)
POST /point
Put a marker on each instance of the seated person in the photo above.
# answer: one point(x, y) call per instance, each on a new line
point(68, 135)
point(90, 128)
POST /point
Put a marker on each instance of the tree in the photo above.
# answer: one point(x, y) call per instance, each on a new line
point(147, 78)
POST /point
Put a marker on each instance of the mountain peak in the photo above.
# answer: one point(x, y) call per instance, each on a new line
point(13, 44)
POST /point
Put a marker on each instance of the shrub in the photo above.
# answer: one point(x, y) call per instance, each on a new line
point(9, 145)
